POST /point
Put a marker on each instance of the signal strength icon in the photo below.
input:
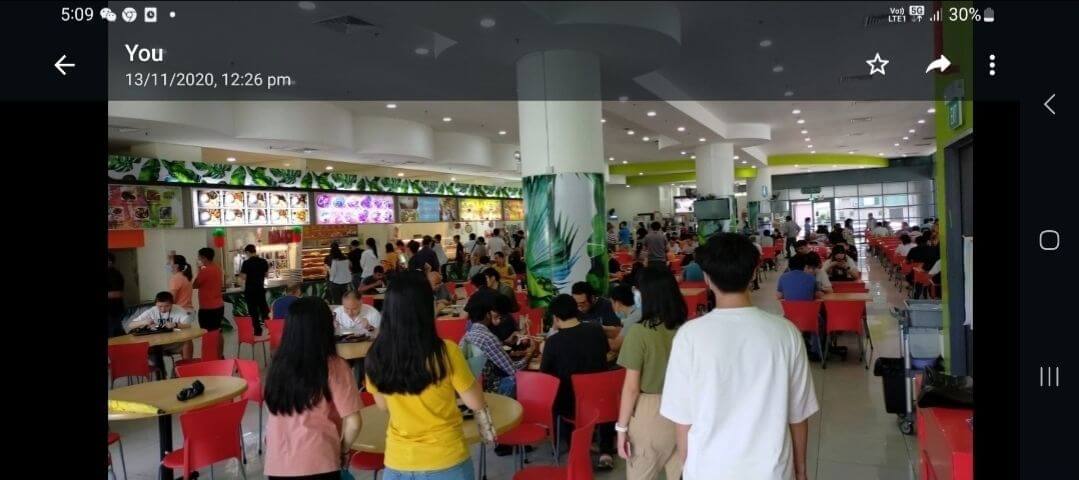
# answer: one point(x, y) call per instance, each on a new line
point(935, 17)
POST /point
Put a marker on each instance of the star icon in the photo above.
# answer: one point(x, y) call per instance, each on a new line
point(876, 64)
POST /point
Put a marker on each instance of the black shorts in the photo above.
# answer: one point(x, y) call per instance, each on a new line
point(210, 318)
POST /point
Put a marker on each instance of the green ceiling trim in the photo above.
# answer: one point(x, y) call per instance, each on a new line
point(745, 172)
point(654, 167)
point(661, 178)
point(826, 159)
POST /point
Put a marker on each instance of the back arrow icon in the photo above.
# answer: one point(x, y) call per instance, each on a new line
point(1046, 104)
point(942, 63)
point(60, 65)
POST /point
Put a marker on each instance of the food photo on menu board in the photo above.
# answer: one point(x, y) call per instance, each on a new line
point(241, 208)
point(683, 204)
point(133, 207)
point(513, 210)
point(353, 209)
point(448, 209)
point(474, 209)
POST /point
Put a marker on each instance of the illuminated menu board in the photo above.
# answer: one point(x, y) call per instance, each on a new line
point(513, 210)
point(353, 209)
point(241, 208)
point(476, 209)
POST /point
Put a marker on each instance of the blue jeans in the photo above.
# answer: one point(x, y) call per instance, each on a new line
point(461, 471)
point(508, 386)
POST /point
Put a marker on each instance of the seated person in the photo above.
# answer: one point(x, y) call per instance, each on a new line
point(443, 296)
point(354, 316)
point(766, 240)
point(840, 267)
point(375, 281)
point(625, 306)
point(595, 309)
point(507, 329)
point(499, 370)
point(691, 272)
point(164, 314)
point(813, 263)
point(800, 282)
point(756, 243)
point(484, 264)
point(494, 282)
point(517, 262)
point(674, 247)
point(506, 273)
point(801, 246)
point(578, 347)
point(279, 309)
point(905, 244)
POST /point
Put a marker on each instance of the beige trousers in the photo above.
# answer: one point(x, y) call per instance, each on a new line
point(652, 442)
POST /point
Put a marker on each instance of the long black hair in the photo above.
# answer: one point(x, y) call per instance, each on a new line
point(335, 252)
point(372, 245)
point(407, 356)
point(182, 266)
point(299, 375)
point(661, 299)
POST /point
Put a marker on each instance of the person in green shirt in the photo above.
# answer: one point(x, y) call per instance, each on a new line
point(644, 436)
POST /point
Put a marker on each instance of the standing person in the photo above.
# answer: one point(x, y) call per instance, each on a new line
point(423, 260)
point(641, 232)
point(496, 244)
point(612, 237)
point(209, 283)
point(808, 227)
point(656, 245)
point(180, 284)
point(478, 251)
point(517, 263)
point(355, 262)
point(645, 438)
point(253, 275)
point(313, 399)
point(470, 243)
point(115, 286)
point(624, 235)
point(458, 258)
point(369, 259)
point(790, 231)
point(340, 278)
point(737, 384)
point(578, 347)
point(417, 376)
point(440, 254)
point(392, 261)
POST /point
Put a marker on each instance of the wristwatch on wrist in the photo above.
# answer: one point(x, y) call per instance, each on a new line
point(618, 427)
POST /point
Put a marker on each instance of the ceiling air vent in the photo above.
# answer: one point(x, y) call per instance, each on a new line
point(861, 120)
point(123, 129)
point(303, 150)
point(856, 134)
point(346, 24)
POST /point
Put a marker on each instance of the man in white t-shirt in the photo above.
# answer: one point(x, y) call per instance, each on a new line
point(737, 384)
point(354, 316)
point(905, 244)
point(496, 244)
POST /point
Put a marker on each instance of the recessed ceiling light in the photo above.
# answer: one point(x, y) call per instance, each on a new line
point(230, 159)
point(777, 69)
point(788, 93)
point(801, 121)
point(850, 152)
point(640, 173)
point(921, 120)
point(701, 139)
point(931, 110)
point(796, 165)
point(752, 166)
point(487, 22)
point(421, 51)
point(286, 164)
point(880, 154)
point(694, 157)
point(906, 138)
point(812, 151)
point(896, 145)
point(603, 120)
point(623, 99)
point(766, 43)
point(307, 6)
point(501, 132)
point(681, 129)
point(796, 112)
point(651, 113)
point(624, 162)
point(683, 152)
point(736, 157)
point(810, 146)
point(391, 106)
point(627, 186)
point(610, 159)
point(835, 166)
point(911, 130)
point(329, 167)
point(744, 162)
point(805, 132)
point(809, 139)
point(645, 139)
point(447, 119)
point(400, 174)
point(630, 132)
point(453, 179)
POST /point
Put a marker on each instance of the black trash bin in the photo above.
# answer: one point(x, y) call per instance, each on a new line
point(893, 378)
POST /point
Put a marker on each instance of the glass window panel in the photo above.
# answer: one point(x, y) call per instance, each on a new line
point(869, 189)
point(895, 200)
point(826, 192)
point(846, 190)
point(870, 202)
point(846, 202)
point(864, 213)
point(897, 213)
point(798, 195)
point(918, 198)
point(895, 224)
point(900, 187)
point(783, 195)
point(918, 186)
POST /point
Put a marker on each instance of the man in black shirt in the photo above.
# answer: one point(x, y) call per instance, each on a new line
point(421, 257)
point(253, 274)
point(594, 309)
point(116, 310)
point(576, 347)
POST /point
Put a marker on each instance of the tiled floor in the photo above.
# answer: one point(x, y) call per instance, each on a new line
point(852, 437)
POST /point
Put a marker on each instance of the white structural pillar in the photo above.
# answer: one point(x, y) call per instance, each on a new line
point(754, 192)
point(715, 169)
point(559, 111)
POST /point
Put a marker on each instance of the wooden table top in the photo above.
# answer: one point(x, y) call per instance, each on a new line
point(858, 297)
point(354, 350)
point(180, 336)
point(162, 394)
point(505, 413)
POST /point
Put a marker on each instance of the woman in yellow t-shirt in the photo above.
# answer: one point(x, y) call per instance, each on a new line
point(417, 377)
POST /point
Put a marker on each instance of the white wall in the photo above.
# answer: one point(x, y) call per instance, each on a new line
point(153, 276)
point(628, 202)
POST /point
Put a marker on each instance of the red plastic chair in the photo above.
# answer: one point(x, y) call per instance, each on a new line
point(129, 360)
point(451, 329)
point(249, 371)
point(535, 319)
point(366, 461)
point(219, 368)
point(685, 284)
point(694, 302)
point(115, 438)
point(469, 289)
point(210, 347)
point(276, 326)
point(805, 315)
point(579, 464)
point(600, 392)
point(245, 331)
point(536, 391)
point(845, 316)
point(522, 298)
point(923, 280)
point(849, 287)
point(211, 435)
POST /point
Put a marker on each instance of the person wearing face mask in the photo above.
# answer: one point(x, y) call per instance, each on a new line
point(626, 307)
point(164, 314)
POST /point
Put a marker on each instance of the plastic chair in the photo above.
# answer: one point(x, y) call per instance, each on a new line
point(367, 300)
point(536, 391)
point(451, 329)
point(469, 289)
point(210, 435)
point(924, 283)
point(849, 287)
point(245, 331)
point(276, 326)
point(685, 284)
point(129, 360)
point(115, 438)
point(210, 347)
point(367, 461)
point(522, 298)
point(694, 302)
point(535, 319)
point(600, 392)
point(219, 368)
point(805, 315)
point(578, 465)
point(844, 316)
point(249, 371)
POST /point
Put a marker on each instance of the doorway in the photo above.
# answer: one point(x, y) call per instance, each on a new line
point(822, 212)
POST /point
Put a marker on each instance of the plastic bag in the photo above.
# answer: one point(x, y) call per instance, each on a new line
point(940, 390)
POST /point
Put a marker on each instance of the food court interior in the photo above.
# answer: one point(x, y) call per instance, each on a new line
point(295, 177)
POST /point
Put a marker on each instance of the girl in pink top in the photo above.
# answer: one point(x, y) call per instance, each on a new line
point(312, 397)
point(181, 290)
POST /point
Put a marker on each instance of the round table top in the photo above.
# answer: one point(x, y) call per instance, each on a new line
point(354, 350)
point(162, 394)
point(179, 336)
point(505, 413)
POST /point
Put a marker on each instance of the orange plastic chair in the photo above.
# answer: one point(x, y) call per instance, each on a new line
point(366, 461)
point(579, 464)
point(220, 368)
point(129, 360)
point(210, 347)
point(249, 370)
point(844, 316)
point(211, 435)
point(451, 329)
point(245, 331)
point(276, 326)
point(536, 391)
